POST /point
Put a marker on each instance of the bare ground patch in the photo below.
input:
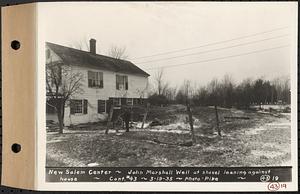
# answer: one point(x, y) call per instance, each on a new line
point(263, 140)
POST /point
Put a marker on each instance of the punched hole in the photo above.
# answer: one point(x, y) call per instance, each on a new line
point(15, 44)
point(16, 148)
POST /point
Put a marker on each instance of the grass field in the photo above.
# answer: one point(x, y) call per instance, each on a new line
point(261, 140)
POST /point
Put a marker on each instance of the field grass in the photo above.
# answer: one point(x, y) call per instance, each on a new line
point(261, 140)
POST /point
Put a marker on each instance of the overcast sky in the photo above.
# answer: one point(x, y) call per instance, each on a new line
point(147, 29)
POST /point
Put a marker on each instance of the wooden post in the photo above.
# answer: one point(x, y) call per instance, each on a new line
point(111, 111)
point(191, 122)
point(145, 115)
point(217, 120)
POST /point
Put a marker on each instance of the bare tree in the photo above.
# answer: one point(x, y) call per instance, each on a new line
point(117, 52)
point(244, 94)
point(187, 91)
point(158, 79)
point(227, 91)
point(143, 92)
point(287, 91)
point(282, 88)
point(170, 93)
point(201, 96)
point(161, 86)
point(61, 84)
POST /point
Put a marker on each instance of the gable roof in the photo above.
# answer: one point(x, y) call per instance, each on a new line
point(83, 58)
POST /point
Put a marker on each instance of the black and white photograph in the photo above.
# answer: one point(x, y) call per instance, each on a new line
point(169, 84)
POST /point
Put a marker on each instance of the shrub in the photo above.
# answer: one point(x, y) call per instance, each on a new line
point(157, 99)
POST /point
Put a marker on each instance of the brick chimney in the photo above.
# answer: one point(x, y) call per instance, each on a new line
point(92, 46)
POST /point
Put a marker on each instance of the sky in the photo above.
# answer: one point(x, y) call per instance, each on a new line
point(195, 41)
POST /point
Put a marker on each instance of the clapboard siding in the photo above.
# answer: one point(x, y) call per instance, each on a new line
point(136, 84)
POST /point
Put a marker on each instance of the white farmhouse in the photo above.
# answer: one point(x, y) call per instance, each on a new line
point(106, 81)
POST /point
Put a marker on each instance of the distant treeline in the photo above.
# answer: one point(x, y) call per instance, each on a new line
point(226, 93)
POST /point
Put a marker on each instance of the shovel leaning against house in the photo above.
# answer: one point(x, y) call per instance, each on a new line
point(109, 120)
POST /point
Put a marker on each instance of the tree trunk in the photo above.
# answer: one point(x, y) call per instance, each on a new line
point(63, 113)
point(60, 121)
point(191, 122)
point(272, 96)
point(217, 120)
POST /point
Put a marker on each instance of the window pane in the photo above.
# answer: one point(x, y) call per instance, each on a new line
point(129, 101)
point(117, 82)
point(95, 79)
point(122, 82)
point(101, 80)
point(76, 106)
point(101, 106)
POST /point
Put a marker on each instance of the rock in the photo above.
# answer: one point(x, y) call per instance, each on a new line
point(156, 140)
point(156, 122)
point(188, 143)
point(287, 110)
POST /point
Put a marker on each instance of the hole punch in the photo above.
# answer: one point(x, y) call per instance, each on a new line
point(16, 148)
point(15, 44)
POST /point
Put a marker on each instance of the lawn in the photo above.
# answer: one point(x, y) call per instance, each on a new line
point(261, 140)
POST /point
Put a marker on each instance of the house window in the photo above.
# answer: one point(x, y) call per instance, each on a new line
point(101, 106)
point(95, 79)
point(78, 106)
point(117, 101)
point(121, 82)
point(129, 101)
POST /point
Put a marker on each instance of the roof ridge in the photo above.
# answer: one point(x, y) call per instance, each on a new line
point(88, 52)
point(80, 57)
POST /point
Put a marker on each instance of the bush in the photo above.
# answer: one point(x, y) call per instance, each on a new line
point(159, 100)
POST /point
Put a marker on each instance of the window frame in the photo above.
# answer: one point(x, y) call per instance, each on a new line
point(119, 102)
point(127, 101)
point(97, 79)
point(84, 107)
point(124, 83)
point(105, 106)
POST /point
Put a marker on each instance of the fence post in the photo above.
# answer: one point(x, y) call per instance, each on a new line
point(217, 120)
point(191, 122)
